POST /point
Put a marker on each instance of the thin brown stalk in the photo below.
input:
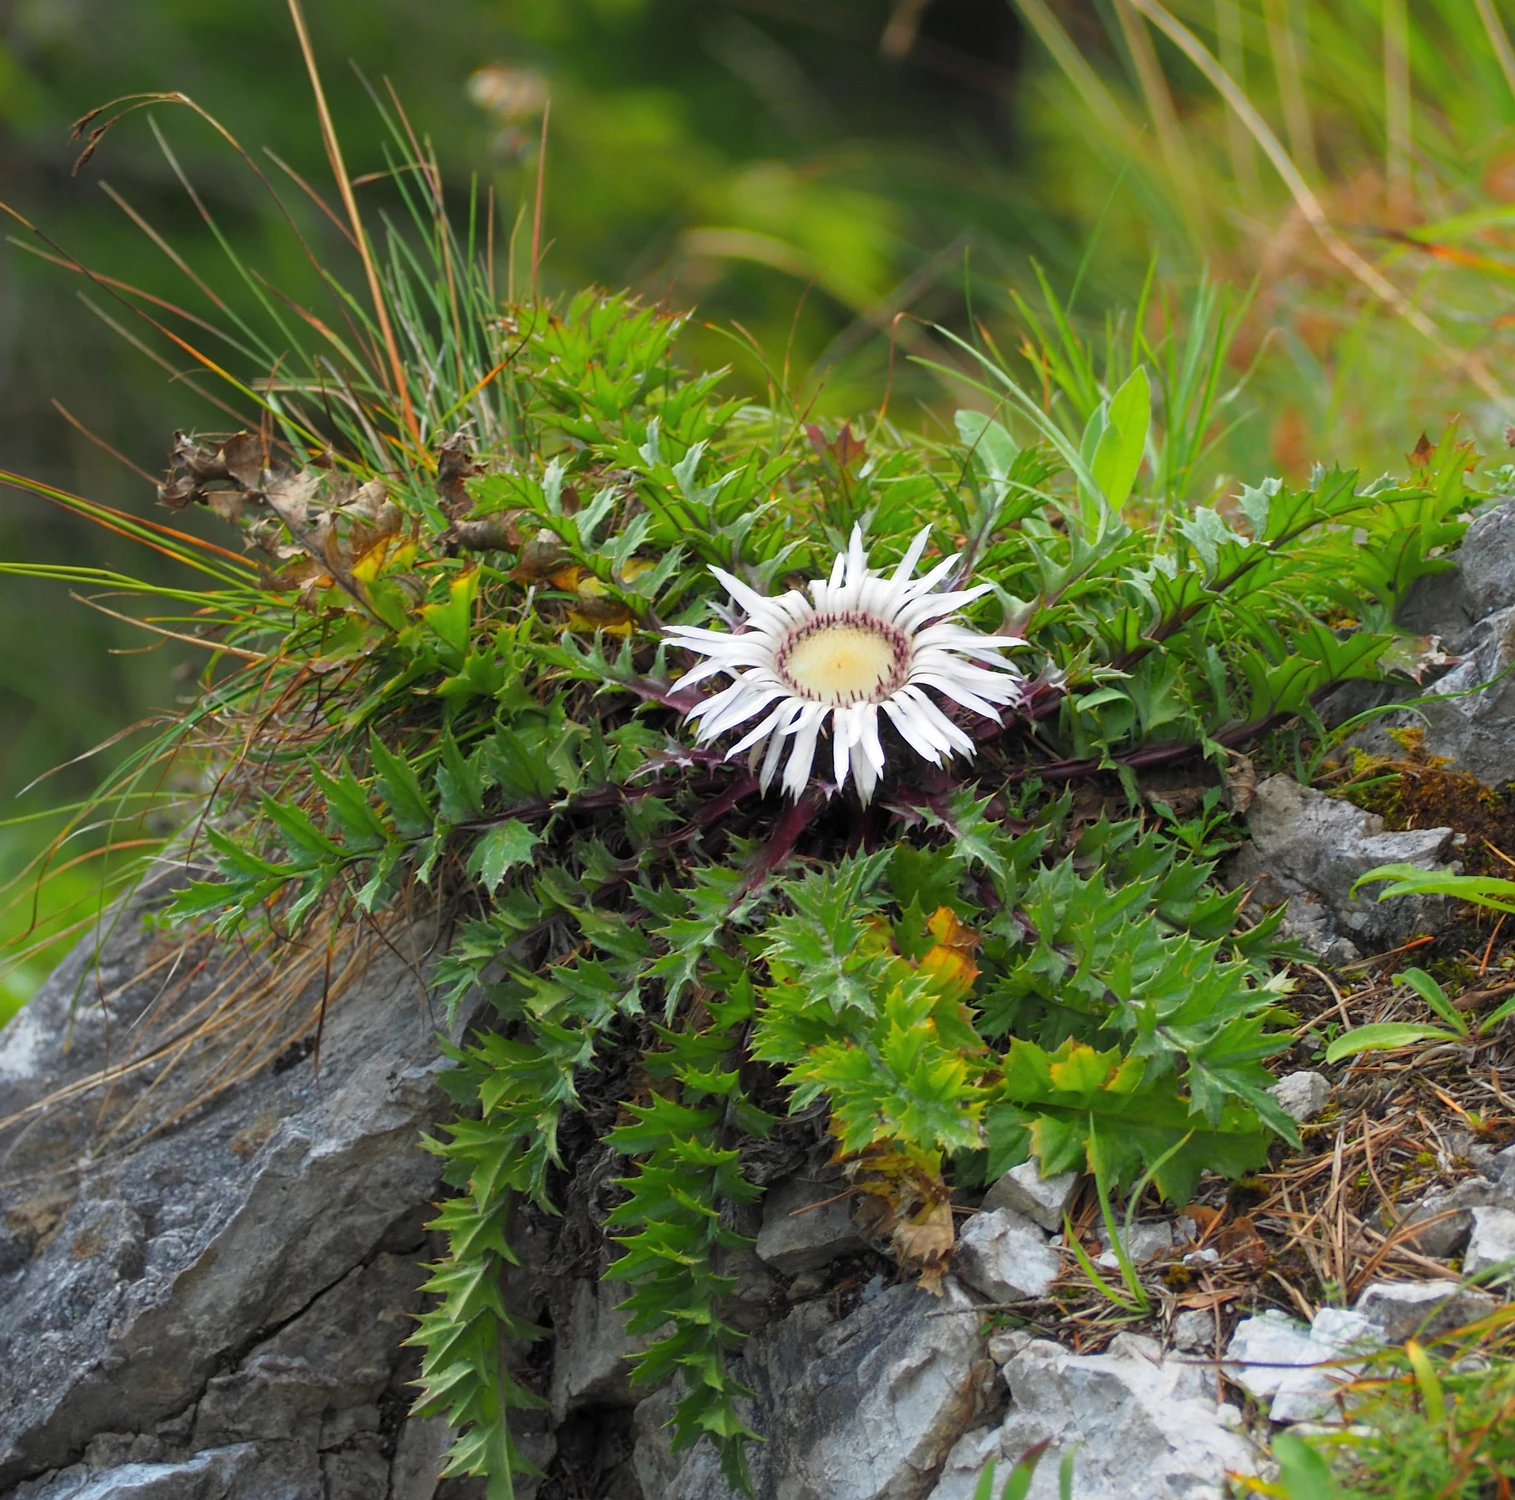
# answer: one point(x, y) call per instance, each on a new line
point(100, 443)
point(401, 390)
point(189, 640)
point(536, 210)
point(113, 284)
point(179, 263)
point(312, 194)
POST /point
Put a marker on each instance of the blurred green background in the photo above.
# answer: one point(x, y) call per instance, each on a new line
point(802, 171)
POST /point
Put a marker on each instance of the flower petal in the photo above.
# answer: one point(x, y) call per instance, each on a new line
point(801, 757)
point(912, 556)
point(864, 774)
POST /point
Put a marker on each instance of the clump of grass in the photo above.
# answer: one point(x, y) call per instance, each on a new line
point(1349, 156)
point(1421, 1422)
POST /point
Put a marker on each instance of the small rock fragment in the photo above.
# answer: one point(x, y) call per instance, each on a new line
point(864, 1409)
point(1502, 1170)
point(1492, 1242)
point(420, 1456)
point(806, 1287)
point(1005, 1256)
point(1042, 1199)
point(1145, 1241)
point(1466, 717)
point(1398, 1310)
point(220, 1471)
point(1442, 1220)
point(1194, 1328)
point(1003, 1347)
point(807, 1225)
point(1302, 1095)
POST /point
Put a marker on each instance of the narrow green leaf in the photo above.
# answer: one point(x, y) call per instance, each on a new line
point(1426, 1380)
point(988, 440)
point(1386, 1036)
point(1434, 996)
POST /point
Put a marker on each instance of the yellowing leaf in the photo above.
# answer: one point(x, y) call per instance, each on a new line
point(370, 563)
point(611, 619)
point(1083, 1068)
point(949, 962)
point(944, 926)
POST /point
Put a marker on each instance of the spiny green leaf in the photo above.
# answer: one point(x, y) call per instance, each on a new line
point(500, 850)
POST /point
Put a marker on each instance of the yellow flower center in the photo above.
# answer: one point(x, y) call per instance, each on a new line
point(844, 664)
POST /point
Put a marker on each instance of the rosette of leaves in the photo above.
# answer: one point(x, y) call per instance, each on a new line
point(442, 678)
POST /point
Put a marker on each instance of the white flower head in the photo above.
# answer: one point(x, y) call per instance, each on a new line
point(862, 642)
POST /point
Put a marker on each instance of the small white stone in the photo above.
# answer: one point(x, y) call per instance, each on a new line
point(1501, 1169)
point(21, 1044)
point(1005, 1256)
point(1346, 1330)
point(1302, 1095)
point(1003, 1347)
point(970, 1456)
point(1492, 1242)
point(1273, 1356)
point(1043, 1199)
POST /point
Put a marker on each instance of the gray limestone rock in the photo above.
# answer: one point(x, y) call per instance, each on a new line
point(1471, 607)
point(1470, 715)
point(592, 1358)
point(1143, 1242)
point(1486, 564)
point(207, 1476)
point(1302, 1095)
point(864, 1409)
point(1138, 1424)
point(1398, 1310)
point(1292, 1368)
point(1042, 1199)
point(418, 1456)
point(807, 1224)
point(1194, 1329)
point(1439, 1224)
point(1005, 1256)
point(1308, 850)
point(215, 1312)
point(1480, 581)
point(1492, 1242)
